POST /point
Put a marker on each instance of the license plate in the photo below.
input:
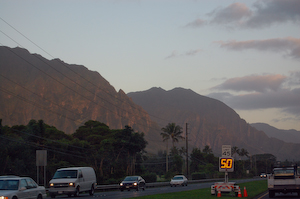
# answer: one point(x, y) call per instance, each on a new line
point(127, 187)
point(60, 192)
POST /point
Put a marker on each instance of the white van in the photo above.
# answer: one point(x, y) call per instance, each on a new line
point(72, 181)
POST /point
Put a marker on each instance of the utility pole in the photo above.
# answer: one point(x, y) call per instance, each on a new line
point(187, 150)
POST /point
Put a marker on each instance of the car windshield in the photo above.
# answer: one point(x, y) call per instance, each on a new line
point(9, 184)
point(177, 178)
point(284, 172)
point(65, 174)
point(130, 178)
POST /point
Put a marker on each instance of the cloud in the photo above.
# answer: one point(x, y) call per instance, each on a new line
point(290, 45)
point(253, 83)
point(188, 53)
point(233, 13)
point(269, 12)
point(197, 23)
point(262, 92)
point(264, 13)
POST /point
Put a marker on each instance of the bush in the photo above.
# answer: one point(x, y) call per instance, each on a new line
point(198, 176)
point(149, 177)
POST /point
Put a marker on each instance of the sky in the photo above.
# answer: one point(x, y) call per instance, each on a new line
point(245, 53)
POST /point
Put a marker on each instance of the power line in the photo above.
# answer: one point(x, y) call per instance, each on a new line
point(70, 68)
point(75, 81)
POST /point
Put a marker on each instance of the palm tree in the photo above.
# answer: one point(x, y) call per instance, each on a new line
point(207, 150)
point(235, 150)
point(171, 131)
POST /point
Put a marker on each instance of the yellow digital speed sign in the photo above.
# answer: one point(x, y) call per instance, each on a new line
point(226, 164)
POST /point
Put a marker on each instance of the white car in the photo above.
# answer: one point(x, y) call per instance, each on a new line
point(179, 180)
point(12, 187)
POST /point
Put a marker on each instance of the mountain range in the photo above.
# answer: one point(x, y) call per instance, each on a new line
point(67, 95)
point(291, 135)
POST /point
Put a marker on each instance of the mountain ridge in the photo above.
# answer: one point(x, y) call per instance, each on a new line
point(36, 88)
point(33, 87)
point(211, 122)
point(290, 135)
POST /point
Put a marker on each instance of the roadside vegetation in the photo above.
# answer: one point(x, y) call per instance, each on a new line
point(115, 153)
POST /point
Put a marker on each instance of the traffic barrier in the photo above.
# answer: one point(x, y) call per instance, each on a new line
point(219, 193)
point(239, 193)
point(245, 193)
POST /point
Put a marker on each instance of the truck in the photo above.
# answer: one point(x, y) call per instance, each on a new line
point(284, 180)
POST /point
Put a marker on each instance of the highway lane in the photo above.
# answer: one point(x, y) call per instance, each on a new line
point(149, 191)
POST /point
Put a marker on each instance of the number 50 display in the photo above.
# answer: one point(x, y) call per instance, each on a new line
point(226, 164)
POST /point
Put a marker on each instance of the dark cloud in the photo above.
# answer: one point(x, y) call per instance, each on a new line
point(263, 14)
point(262, 92)
point(283, 99)
point(290, 45)
point(269, 12)
point(253, 83)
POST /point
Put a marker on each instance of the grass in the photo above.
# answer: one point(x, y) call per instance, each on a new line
point(253, 188)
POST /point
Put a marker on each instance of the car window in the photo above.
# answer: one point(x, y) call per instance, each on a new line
point(9, 184)
point(80, 174)
point(31, 183)
point(131, 178)
point(65, 174)
point(177, 178)
point(23, 183)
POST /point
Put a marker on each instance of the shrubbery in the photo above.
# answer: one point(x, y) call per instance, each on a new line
point(149, 177)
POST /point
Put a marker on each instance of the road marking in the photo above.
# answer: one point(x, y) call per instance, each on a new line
point(263, 195)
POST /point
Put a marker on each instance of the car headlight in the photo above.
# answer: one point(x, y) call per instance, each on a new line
point(71, 184)
point(121, 184)
point(51, 185)
point(135, 183)
point(3, 197)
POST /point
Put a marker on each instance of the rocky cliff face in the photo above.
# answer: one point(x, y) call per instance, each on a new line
point(63, 95)
point(210, 122)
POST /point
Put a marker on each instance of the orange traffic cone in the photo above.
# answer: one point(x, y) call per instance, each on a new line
point(239, 193)
point(219, 193)
point(245, 192)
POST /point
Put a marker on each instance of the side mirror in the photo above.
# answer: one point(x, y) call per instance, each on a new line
point(23, 188)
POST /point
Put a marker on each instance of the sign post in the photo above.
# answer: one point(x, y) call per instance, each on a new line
point(226, 162)
point(41, 160)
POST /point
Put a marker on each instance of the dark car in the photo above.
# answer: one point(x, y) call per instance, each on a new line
point(263, 175)
point(133, 182)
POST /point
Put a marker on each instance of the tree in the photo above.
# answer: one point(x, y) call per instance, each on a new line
point(235, 150)
point(207, 150)
point(171, 131)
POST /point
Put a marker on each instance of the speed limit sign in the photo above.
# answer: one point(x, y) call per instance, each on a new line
point(226, 150)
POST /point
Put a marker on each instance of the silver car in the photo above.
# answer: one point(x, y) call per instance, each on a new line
point(15, 187)
point(179, 180)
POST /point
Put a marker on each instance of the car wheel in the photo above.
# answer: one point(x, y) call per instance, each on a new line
point(69, 195)
point(92, 191)
point(39, 196)
point(76, 194)
point(52, 195)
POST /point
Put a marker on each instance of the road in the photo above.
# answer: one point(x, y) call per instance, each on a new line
point(149, 191)
point(278, 195)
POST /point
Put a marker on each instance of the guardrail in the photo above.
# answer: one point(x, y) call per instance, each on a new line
point(154, 184)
